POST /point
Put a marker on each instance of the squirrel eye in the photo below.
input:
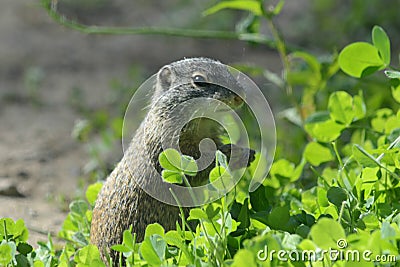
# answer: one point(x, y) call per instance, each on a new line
point(197, 78)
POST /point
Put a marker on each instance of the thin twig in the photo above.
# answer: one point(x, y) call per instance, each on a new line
point(51, 9)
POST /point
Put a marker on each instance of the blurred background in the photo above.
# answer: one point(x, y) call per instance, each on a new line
point(63, 93)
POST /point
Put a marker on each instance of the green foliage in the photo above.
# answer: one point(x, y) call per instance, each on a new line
point(353, 180)
point(88, 256)
point(176, 166)
point(382, 43)
point(76, 226)
point(13, 247)
point(100, 129)
point(339, 190)
point(254, 6)
point(14, 251)
point(360, 59)
point(315, 154)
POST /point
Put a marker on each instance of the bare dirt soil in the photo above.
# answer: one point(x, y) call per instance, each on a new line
point(40, 163)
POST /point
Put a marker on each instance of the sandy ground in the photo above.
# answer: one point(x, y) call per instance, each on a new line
point(40, 163)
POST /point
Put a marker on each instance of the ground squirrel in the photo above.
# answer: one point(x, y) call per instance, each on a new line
point(121, 202)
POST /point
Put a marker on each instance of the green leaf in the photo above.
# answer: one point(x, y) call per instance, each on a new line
point(379, 121)
point(326, 233)
point(92, 192)
point(364, 158)
point(322, 197)
point(360, 59)
point(176, 165)
point(172, 177)
point(244, 216)
point(121, 248)
point(230, 224)
point(159, 245)
point(17, 230)
point(20, 231)
point(392, 74)
point(128, 239)
point(24, 248)
point(79, 207)
point(41, 264)
point(216, 173)
point(6, 227)
point(316, 154)
point(371, 221)
point(307, 244)
point(189, 165)
point(244, 258)
point(303, 230)
point(396, 93)
point(88, 255)
point(217, 177)
point(387, 231)
point(321, 127)
point(222, 159)
point(359, 107)
point(211, 212)
point(253, 6)
point(382, 43)
point(197, 214)
point(149, 253)
point(340, 106)
point(279, 219)
point(174, 238)
point(318, 117)
point(170, 159)
point(5, 254)
point(79, 238)
point(259, 200)
point(154, 229)
point(22, 261)
point(337, 195)
point(282, 168)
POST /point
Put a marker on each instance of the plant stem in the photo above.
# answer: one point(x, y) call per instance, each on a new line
point(51, 9)
point(337, 154)
point(184, 223)
point(282, 50)
point(341, 211)
point(192, 195)
point(5, 231)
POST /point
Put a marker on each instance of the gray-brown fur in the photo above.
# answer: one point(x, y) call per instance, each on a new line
point(121, 202)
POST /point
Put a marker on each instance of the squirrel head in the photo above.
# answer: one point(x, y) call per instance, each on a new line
point(198, 77)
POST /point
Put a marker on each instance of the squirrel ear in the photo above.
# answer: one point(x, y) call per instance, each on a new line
point(165, 77)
